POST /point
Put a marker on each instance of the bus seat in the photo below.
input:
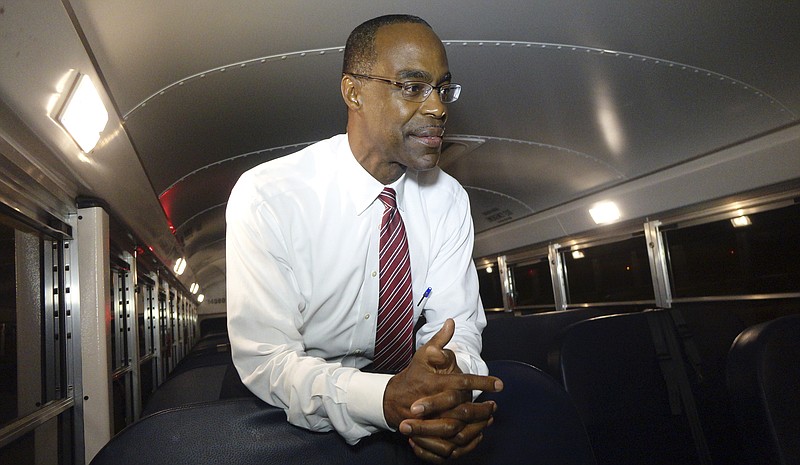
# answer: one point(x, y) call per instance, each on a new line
point(764, 381)
point(200, 384)
point(217, 356)
point(536, 422)
point(238, 431)
point(528, 338)
point(612, 370)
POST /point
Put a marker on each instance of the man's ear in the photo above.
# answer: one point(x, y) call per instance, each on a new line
point(351, 92)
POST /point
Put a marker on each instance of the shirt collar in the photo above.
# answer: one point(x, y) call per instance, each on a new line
point(362, 188)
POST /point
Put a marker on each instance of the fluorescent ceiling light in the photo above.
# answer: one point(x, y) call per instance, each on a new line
point(84, 116)
point(488, 269)
point(194, 288)
point(201, 298)
point(180, 266)
point(577, 254)
point(605, 212)
point(741, 221)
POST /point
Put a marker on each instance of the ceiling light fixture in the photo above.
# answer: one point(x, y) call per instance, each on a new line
point(605, 212)
point(83, 115)
point(180, 266)
point(741, 221)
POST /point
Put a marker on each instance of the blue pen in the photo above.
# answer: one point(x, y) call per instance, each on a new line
point(424, 296)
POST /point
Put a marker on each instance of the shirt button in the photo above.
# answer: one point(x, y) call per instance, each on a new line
point(366, 317)
point(357, 352)
point(374, 273)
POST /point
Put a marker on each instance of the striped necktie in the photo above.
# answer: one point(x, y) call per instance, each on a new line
point(394, 338)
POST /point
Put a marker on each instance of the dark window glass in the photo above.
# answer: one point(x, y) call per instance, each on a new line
point(490, 287)
point(532, 283)
point(716, 258)
point(140, 321)
point(146, 380)
point(122, 398)
point(8, 325)
point(615, 272)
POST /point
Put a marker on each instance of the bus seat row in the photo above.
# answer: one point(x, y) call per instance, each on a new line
point(651, 386)
point(529, 338)
point(205, 374)
point(536, 424)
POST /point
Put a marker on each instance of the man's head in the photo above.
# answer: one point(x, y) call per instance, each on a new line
point(359, 52)
point(390, 127)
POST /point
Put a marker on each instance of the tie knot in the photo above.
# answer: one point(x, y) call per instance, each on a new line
point(388, 197)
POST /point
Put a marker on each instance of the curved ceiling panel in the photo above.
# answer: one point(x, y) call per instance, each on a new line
point(537, 176)
point(210, 186)
point(236, 111)
point(633, 112)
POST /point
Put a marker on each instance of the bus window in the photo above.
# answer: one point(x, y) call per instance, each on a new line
point(759, 255)
point(490, 287)
point(532, 284)
point(609, 272)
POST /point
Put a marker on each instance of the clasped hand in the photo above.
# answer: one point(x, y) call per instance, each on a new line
point(430, 401)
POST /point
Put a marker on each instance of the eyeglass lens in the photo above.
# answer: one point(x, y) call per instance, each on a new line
point(419, 92)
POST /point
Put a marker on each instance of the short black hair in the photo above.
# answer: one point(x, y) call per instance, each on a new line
point(359, 52)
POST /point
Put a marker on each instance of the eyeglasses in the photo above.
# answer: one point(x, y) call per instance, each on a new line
point(419, 91)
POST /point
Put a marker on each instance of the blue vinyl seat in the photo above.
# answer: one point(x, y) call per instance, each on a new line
point(764, 381)
point(613, 371)
point(536, 423)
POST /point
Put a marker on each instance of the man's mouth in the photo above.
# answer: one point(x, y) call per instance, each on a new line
point(430, 136)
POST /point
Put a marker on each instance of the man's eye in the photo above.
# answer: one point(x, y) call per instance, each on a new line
point(412, 88)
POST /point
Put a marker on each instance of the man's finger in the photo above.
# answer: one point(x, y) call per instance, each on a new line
point(443, 336)
point(460, 451)
point(467, 435)
point(470, 412)
point(421, 450)
point(437, 427)
point(455, 390)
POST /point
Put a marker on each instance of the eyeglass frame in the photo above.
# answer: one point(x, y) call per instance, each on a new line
point(402, 85)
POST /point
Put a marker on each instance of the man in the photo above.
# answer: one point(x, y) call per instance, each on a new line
point(307, 262)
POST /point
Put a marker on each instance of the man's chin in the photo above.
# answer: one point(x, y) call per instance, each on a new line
point(426, 163)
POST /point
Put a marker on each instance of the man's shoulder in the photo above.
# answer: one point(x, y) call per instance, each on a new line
point(296, 169)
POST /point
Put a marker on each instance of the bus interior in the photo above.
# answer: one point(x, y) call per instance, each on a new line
point(633, 170)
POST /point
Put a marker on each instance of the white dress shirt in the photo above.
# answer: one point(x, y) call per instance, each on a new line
point(302, 281)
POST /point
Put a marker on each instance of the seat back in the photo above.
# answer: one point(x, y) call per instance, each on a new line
point(614, 372)
point(764, 382)
point(528, 338)
point(536, 422)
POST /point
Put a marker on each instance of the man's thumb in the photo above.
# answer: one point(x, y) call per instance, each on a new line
point(443, 336)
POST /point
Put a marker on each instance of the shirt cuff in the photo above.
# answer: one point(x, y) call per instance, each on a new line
point(365, 398)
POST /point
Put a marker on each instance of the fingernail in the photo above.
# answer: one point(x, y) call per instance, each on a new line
point(498, 385)
point(404, 428)
point(416, 409)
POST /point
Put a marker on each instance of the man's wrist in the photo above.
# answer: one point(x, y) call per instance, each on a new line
point(364, 398)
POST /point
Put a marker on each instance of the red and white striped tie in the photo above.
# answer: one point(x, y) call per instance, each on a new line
point(394, 336)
